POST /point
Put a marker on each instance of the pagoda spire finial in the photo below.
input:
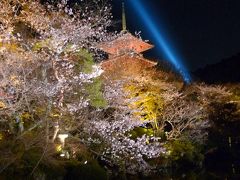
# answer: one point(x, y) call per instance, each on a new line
point(124, 24)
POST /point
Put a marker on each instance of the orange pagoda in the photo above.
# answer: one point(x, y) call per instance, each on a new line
point(124, 53)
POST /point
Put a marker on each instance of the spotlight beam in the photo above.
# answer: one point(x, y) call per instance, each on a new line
point(161, 40)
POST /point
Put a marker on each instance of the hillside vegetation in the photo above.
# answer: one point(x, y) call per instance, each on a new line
point(63, 117)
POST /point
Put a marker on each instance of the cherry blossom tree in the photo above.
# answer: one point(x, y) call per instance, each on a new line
point(46, 66)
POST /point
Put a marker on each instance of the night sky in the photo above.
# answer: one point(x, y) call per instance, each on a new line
point(202, 31)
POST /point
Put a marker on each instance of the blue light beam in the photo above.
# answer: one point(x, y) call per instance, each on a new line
point(161, 41)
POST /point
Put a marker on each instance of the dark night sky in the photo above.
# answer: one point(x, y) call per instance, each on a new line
point(203, 31)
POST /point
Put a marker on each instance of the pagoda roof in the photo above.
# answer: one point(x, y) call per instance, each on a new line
point(126, 58)
point(126, 66)
point(125, 43)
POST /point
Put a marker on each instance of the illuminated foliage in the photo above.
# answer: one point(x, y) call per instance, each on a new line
point(85, 61)
point(2, 105)
point(184, 151)
point(140, 131)
point(148, 102)
point(1, 136)
point(95, 94)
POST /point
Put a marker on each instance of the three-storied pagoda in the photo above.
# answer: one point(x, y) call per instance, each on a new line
point(124, 53)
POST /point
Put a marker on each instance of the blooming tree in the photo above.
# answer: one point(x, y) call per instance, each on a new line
point(46, 66)
point(114, 132)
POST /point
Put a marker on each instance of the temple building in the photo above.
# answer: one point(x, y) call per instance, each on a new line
point(125, 53)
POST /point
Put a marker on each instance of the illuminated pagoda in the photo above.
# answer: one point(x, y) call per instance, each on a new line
point(124, 53)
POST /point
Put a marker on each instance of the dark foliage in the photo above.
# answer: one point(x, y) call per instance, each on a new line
point(225, 71)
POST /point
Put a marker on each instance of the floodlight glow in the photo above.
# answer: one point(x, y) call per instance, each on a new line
point(62, 154)
point(62, 138)
point(161, 41)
